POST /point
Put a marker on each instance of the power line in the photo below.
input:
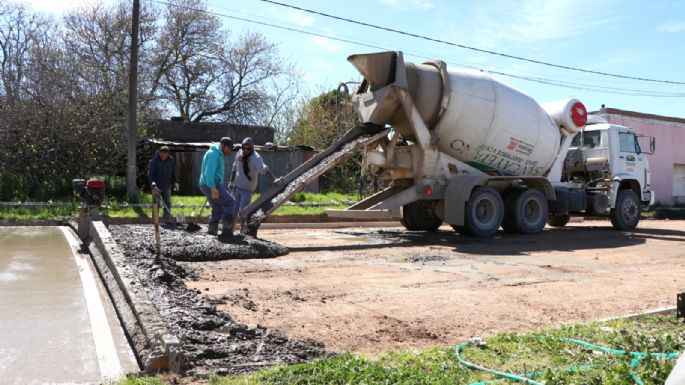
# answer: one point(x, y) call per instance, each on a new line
point(610, 90)
point(267, 24)
point(469, 47)
point(584, 87)
point(421, 55)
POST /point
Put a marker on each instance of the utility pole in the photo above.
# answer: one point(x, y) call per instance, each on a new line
point(131, 172)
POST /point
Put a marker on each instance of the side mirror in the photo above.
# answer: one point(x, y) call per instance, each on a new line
point(652, 145)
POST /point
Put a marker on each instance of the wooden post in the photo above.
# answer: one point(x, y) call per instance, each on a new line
point(155, 219)
point(131, 172)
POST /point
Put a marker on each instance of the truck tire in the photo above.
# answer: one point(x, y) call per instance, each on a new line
point(484, 212)
point(526, 212)
point(420, 216)
point(558, 220)
point(626, 213)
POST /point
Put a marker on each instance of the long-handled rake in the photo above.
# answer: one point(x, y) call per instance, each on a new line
point(192, 222)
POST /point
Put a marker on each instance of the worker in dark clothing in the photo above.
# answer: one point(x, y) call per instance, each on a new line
point(247, 167)
point(162, 173)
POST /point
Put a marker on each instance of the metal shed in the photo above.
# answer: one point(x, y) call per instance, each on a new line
point(280, 159)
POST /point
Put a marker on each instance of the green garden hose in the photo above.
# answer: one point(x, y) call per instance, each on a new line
point(528, 377)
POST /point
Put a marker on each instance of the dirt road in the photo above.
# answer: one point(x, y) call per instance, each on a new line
point(370, 290)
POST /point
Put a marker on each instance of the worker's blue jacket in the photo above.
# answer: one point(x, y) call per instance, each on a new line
point(213, 166)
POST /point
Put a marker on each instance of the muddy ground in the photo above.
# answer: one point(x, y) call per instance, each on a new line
point(212, 340)
point(371, 290)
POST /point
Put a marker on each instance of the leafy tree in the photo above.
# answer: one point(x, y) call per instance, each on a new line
point(323, 120)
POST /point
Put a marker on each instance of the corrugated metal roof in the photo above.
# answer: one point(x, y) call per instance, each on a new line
point(192, 146)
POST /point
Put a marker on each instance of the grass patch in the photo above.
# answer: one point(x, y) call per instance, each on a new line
point(191, 206)
point(132, 379)
point(39, 213)
point(511, 352)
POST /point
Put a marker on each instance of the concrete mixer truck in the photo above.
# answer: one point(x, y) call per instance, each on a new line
point(477, 154)
point(458, 147)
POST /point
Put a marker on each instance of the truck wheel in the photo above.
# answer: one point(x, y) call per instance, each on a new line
point(407, 225)
point(526, 212)
point(507, 221)
point(558, 220)
point(420, 216)
point(626, 213)
point(484, 212)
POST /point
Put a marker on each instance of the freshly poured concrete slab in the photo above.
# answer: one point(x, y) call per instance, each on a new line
point(56, 323)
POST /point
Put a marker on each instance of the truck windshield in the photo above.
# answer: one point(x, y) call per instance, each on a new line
point(590, 139)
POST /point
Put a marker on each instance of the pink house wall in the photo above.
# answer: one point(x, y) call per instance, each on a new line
point(670, 149)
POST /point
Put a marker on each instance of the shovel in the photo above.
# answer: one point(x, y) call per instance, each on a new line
point(192, 224)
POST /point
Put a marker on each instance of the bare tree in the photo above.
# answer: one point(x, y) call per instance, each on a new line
point(209, 76)
point(18, 35)
point(63, 86)
point(248, 71)
point(188, 48)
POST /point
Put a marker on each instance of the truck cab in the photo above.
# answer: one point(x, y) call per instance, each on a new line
point(610, 162)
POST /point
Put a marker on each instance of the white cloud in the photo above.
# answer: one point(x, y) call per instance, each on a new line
point(675, 26)
point(617, 59)
point(56, 6)
point(409, 4)
point(300, 18)
point(506, 24)
point(326, 45)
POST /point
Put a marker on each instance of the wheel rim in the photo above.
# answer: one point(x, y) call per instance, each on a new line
point(426, 211)
point(532, 211)
point(629, 210)
point(485, 212)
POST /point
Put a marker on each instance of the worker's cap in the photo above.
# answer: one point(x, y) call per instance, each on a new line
point(164, 148)
point(226, 141)
point(248, 142)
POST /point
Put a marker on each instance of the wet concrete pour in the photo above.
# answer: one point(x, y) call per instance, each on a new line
point(212, 342)
point(181, 245)
point(345, 148)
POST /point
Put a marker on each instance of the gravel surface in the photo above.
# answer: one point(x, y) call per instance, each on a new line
point(212, 341)
point(181, 245)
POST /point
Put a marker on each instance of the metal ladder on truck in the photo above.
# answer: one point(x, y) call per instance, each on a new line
point(356, 138)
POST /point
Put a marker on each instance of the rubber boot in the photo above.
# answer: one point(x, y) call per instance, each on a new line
point(213, 228)
point(167, 218)
point(227, 226)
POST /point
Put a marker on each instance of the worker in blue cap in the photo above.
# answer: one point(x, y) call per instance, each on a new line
point(212, 186)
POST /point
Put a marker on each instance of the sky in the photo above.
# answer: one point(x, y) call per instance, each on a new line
point(630, 38)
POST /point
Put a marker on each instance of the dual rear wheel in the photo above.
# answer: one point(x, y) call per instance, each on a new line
point(523, 212)
point(526, 212)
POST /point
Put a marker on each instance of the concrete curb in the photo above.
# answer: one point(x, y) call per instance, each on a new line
point(325, 225)
point(156, 348)
point(660, 311)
